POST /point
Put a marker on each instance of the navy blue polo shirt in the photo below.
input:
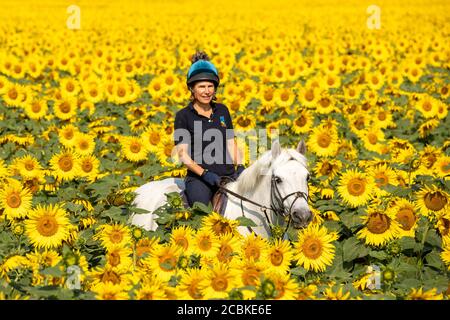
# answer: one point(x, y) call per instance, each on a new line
point(206, 137)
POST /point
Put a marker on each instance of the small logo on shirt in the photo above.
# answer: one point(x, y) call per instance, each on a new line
point(222, 121)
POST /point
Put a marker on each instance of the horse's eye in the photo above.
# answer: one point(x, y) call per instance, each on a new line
point(277, 179)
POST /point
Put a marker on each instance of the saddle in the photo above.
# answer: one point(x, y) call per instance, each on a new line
point(219, 200)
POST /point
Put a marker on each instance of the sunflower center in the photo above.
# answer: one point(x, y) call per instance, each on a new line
point(284, 96)
point(93, 92)
point(157, 87)
point(250, 277)
point(268, 96)
point(169, 81)
point(225, 253)
point(372, 138)
point(182, 242)
point(65, 163)
point(356, 186)
point(435, 200)
point(114, 259)
point(378, 223)
point(406, 218)
point(204, 244)
point(47, 226)
point(87, 166)
point(382, 179)
point(154, 138)
point(168, 263)
point(70, 86)
point(64, 107)
point(36, 107)
point(110, 276)
point(220, 284)
point(194, 291)
point(244, 122)
point(116, 237)
point(68, 134)
point(121, 92)
point(382, 116)
point(276, 257)
point(221, 227)
point(427, 106)
point(309, 95)
point(29, 166)
point(326, 169)
point(135, 147)
point(324, 102)
point(168, 150)
point(312, 248)
point(84, 145)
point(12, 94)
point(13, 200)
point(300, 121)
point(324, 140)
point(252, 252)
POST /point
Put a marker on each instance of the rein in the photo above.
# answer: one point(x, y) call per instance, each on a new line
point(276, 203)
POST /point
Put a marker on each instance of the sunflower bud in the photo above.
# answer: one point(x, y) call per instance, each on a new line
point(70, 259)
point(268, 288)
point(129, 197)
point(395, 248)
point(18, 229)
point(388, 275)
point(137, 233)
point(183, 262)
point(277, 232)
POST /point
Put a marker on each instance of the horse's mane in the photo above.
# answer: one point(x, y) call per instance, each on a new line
point(248, 180)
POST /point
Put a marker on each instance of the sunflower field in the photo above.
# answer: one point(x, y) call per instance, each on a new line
point(88, 94)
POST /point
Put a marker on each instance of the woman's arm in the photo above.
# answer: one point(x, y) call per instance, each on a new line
point(235, 153)
point(182, 152)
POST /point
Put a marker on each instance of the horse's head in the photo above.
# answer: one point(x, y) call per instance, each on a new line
point(289, 183)
point(282, 174)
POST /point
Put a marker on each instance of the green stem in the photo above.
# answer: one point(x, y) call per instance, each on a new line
point(424, 237)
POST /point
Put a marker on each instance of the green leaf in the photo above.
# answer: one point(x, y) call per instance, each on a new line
point(299, 271)
point(53, 271)
point(380, 255)
point(407, 243)
point(350, 219)
point(246, 222)
point(433, 238)
point(433, 259)
point(353, 249)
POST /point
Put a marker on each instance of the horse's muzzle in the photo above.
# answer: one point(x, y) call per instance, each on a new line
point(301, 218)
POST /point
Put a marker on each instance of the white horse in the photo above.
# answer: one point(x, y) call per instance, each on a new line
point(277, 180)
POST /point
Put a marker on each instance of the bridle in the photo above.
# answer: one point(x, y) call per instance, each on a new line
point(276, 203)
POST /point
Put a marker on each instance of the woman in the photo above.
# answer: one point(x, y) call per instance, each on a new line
point(204, 134)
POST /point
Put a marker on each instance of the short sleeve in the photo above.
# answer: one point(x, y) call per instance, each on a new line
point(180, 126)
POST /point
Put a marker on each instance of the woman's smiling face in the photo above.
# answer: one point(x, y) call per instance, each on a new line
point(204, 91)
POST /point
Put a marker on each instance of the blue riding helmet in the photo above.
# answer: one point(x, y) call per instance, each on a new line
point(202, 70)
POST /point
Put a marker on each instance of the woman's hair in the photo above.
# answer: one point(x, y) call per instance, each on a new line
point(199, 55)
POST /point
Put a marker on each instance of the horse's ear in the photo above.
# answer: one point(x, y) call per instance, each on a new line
point(301, 147)
point(276, 149)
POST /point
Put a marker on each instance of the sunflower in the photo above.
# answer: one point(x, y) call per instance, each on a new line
point(15, 200)
point(89, 167)
point(245, 122)
point(285, 287)
point(442, 110)
point(249, 273)
point(284, 97)
point(428, 126)
point(327, 168)
point(152, 137)
point(383, 175)
point(191, 284)
point(325, 104)
point(109, 291)
point(84, 144)
point(219, 225)
point(150, 291)
point(166, 152)
point(405, 214)
point(309, 96)
point(28, 167)
point(14, 94)
point(206, 243)
point(380, 227)
point(157, 88)
point(229, 246)
point(65, 108)
point(420, 294)
point(330, 293)
point(355, 188)
point(113, 235)
point(133, 149)
point(323, 141)
point(69, 87)
point(183, 237)
point(220, 280)
point(144, 246)
point(48, 226)
point(427, 106)
point(442, 166)
point(93, 91)
point(372, 139)
point(65, 165)
point(253, 247)
point(119, 257)
point(303, 122)
point(432, 201)
point(278, 256)
point(67, 135)
point(164, 261)
point(37, 109)
point(314, 250)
